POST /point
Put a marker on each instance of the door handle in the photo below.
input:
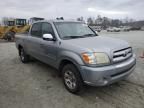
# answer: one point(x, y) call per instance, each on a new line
point(42, 44)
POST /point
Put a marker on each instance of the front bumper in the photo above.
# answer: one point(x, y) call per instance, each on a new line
point(101, 76)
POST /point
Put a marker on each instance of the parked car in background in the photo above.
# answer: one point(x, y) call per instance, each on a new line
point(135, 28)
point(96, 28)
point(125, 28)
point(113, 29)
point(77, 52)
point(142, 28)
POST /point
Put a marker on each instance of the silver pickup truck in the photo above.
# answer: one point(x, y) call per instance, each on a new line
point(77, 52)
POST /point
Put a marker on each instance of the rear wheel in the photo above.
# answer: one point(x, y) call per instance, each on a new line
point(23, 56)
point(72, 79)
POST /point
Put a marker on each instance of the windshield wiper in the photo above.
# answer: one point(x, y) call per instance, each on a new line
point(72, 37)
point(83, 36)
point(88, 35)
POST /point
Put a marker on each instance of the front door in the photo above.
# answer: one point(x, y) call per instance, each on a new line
point(49, 48)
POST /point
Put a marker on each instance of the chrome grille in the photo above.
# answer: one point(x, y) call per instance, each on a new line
point(122, 54)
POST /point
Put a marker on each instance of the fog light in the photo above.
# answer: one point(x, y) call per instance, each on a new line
point(105, 82)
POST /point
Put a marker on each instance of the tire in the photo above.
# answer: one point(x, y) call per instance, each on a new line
point(23, 56)
point(72, 79)
point(10, 36)
point(9, 39)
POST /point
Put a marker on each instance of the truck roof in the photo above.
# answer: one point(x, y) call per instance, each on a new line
point(58, 21)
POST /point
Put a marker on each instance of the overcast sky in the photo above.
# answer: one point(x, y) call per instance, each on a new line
point(71, 9)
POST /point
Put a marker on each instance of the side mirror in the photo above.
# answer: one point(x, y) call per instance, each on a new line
point(48, 37)
point(96, 32)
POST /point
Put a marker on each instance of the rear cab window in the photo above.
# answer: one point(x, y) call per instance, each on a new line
point(36, 30)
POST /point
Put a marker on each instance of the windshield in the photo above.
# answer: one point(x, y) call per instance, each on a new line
point(68, 30)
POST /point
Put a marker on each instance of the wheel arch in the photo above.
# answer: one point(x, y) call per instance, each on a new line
point(66, 61)
point(19, 47)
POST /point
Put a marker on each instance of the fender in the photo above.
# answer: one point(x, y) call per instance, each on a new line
point(71, 56)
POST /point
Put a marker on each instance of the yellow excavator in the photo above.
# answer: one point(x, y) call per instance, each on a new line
point(14, 26)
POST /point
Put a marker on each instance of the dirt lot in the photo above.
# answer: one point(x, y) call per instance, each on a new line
point(36, 85)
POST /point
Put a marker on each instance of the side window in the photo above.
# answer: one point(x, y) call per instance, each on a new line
point(36, 30)
point(47, 29)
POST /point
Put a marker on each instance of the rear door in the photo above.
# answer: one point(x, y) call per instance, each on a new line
point(34, 40)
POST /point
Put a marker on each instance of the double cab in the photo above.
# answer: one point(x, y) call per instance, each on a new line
point(77, 52)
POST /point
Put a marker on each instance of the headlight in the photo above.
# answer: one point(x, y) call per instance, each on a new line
point(95, 58)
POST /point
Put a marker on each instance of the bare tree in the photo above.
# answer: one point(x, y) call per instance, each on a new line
point(90, 21)
point(105, 22)
point(98, 20)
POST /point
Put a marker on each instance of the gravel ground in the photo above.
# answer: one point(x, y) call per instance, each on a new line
point(36, 85)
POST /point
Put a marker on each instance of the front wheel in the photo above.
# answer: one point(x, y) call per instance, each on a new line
point(72, 79)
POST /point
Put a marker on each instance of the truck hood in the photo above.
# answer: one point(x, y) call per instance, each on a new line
point(98, 43)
